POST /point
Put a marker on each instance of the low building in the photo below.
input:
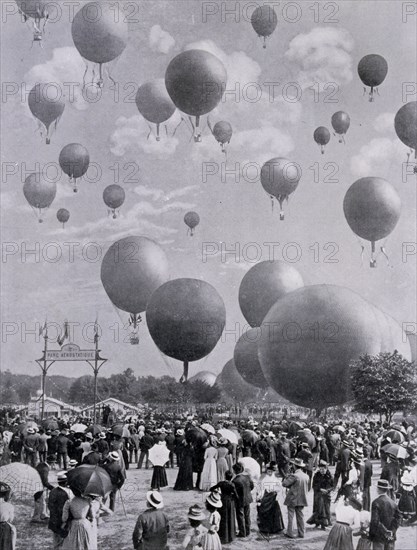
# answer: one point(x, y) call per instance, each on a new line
point(117, 406)
point(53, 407)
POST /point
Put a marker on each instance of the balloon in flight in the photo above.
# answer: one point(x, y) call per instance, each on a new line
point(40, 193)
point(222, 132)
point(191, 220)
point(372, 209)
point(63, 216)
point(321, 137)
point(46, 104)
point(405, 124)
point(154, 103)
point(341, 123)
point(280, 178)
point(185, 318)
point(372, 70)
point(74, 160)
point(114, 197)
point(36, 10)
point(264, 21)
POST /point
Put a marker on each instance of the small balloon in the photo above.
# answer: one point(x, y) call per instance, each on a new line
point(63, 216)
point(372, 70)
point(114, 197)
point(191, 219)
point(341, 123)
point(264, 21)
point(321, 137)
point(74, 160)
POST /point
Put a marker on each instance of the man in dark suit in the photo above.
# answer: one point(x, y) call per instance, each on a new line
point(112, 465)
point(297, 484)
point(243, 485)
point(93, 457)
point(57, 498)
point(367, 480)
point(385, 519)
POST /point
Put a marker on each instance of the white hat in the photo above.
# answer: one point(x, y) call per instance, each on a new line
point(155, 499)
point(62, 476)
point(180, 432)
point(114, 455)
point(30, 430)
point(102, 435)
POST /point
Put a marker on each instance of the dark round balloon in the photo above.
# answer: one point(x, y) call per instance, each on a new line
point(74, 160)
point(131, 270)
point(340, 122)
point(63, 215)
point(280, 177)
point(233, 385)
point(114, 196)
point(406, 124)
point(153, 101)
point(372, 208)
point(204, 376)
point(308, 340)
point(321, 135)
point(46, 102)
point(372, 69)
point(264, 20)
point(222, 131)
point(264, 284)
point(246, 358)
point(39, 191)
point(191, 219)
point(186, 318)
point(196, 81)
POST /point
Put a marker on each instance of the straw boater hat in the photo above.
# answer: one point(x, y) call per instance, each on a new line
point(114, 455)
point(30, 431)
point(62, 476)
point(72, 463)
point(407, 479)
point(102, 435)
point(155, 499)
point(180, 432)
point(384, 485)
point(214, 499)
point(196, 512)
point(323, 464)
point(298, 462)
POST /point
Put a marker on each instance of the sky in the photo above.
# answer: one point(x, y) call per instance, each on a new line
point(311, 59)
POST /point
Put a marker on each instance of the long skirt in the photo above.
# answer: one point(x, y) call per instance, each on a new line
point(222, 468)
point(212, 542)
point(7, 536)
point(159, 477)
point(208, 475)
point(80, 536)
point(227, 529)
point(340, 538)
point(407, 504)
point(269, 514)
point(364, 543)
point(184, 480)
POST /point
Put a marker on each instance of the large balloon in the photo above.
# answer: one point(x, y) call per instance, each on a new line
point(39, 192)
point(341, 123)
point(204, 376)
point(280, 178)
point(154, 103)
point(191, 220)
point(234, 386)
point(246, 359)
point(63, 216)
point(308, 340)
point(264, 21)
point(392, 335)
point(46, 104)
point(372, 70)
point(264, 284)
point(406, 126)
point(114, 197)
point(321, 137)
point(37, 10)
point(99, 34)
point(185, 319)
point(196, 81)
point(131, 270)
point(372, 209)
point(222, 131)
point(74, 160)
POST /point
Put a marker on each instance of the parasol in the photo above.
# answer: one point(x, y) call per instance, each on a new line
point(395, 435)
point(22, 479)
point(78, 428)
point(250, 437)
point(250, 465)
point(159, 455)
point(229, 435)
point(395, 450)
point(208, 428)
point(50, 424)
point(307, 437)
point(94, 429)
point(90, 480)
point(196, 436)
point(294, 427)
point(120, 430)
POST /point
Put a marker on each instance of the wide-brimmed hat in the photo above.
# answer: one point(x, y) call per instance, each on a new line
point(30, 430)
point(214, 499)
point(196, 512)
point(305, 445)
point(298, 462)
point(383, 484)
point(180, 432)
point(102, 435)
point(89, 436)
point(62, 476)
point(323, 464)
point(407, 479)
point(4, 488)
point(155, 499)
point(72, 463)
point(114, 455)
point(223, 441)
point(347, 444)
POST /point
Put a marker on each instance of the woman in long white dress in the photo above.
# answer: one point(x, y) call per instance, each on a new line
point(209, 473)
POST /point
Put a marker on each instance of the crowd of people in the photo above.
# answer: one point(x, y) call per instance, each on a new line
point(275, 463)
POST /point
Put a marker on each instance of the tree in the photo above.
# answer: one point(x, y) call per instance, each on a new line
point(383, 384)
point(203, 393)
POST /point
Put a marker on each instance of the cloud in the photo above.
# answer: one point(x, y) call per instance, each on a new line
point(160, 194)
point(384, 121)
point(322, 55)
point(66, 67)
point(376, 157)
point(131, 134)
point(159, 40)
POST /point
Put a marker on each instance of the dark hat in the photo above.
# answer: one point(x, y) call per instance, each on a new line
point(383, 484)
point(272, 466)
point(355, 503)
point(4, 489)
point(238, 468)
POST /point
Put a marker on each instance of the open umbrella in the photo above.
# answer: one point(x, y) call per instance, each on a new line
point(159, 455)
point(78, 428)
point(23, 480)
point(90, 480)
point(294, 427)
point(94, 429)
point(50, 424)
point(196, 436)
point(208, 428)
point(251, 466)
point(395, 450)
point(25, 425)
point(250, 437)
point(120, 430)
point(307, 437)
point(229, 435)
point(340, 429)
point(395, 436)
point(318, 429)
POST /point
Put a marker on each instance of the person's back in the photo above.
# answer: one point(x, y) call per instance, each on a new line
point(155, 525)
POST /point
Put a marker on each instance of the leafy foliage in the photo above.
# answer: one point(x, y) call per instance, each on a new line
point(383, 384)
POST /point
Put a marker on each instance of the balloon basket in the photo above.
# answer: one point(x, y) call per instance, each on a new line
point(75, 190)
point(372, 263)
point(281, 216)
point(40, 220)
point(134, 339)
point(48, 141)
point(197, 139)
point(158, 138)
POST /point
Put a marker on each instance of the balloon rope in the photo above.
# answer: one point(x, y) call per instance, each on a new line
point(157, 132)
point(85, 73)
point(272, 203)
point(149, 133)
point(166, 129)
point(178, 125)
point(373, 260)
point(384, 252)
point(184, 376)
point(113, 81)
